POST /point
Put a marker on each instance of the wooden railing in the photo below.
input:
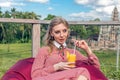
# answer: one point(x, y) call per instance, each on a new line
point(35, 31)
point(36, 28)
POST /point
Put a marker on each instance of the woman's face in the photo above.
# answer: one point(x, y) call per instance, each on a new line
point(60, 33)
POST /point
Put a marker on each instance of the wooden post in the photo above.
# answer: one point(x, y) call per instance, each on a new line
point(35, 39)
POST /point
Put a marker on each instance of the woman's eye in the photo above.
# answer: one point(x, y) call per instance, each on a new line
point(64, 30)
point(57, 32)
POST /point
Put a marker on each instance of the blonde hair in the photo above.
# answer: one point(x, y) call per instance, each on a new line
point(55, 21)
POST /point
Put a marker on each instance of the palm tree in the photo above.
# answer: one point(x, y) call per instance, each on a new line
point(1, 12)
point(20, 31)
point(13, 13)
point(49, 17)
point(27, 28)
point(7, 14)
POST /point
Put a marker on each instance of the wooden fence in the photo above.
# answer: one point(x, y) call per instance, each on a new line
point(37, 23)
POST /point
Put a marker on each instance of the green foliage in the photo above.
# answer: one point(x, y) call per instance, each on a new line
point(97, 19)
point(115, 75)
point(84, 32)
point(49, 17)
point(12, 32)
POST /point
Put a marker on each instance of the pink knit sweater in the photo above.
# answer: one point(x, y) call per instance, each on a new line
point(43, 69)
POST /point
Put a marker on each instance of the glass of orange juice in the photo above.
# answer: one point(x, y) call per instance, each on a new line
point(71, 58)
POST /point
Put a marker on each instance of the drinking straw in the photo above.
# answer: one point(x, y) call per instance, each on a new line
point(74, 49)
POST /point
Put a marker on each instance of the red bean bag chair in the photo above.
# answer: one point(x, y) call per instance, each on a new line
point(95, 73)
point(20, 71)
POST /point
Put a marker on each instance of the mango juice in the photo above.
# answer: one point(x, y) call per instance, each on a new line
point(71, 58)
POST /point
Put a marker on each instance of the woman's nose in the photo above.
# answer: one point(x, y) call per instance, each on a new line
point(61, 34)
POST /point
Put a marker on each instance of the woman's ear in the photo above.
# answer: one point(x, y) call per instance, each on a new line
point(68, 33)
point(51, 36)
point(51, 33)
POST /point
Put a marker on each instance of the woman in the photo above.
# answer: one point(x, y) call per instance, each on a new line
point(51, 61)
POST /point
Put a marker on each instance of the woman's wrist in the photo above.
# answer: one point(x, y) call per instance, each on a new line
point(56, 67)
point(89, 51)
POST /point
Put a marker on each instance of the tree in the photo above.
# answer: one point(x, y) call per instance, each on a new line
point(97, 19)
point(49, 17)
point(1, 12)
point(6, 14)
point(13, 13)
point(80, 31)
point(12, 32)
point(30, 15)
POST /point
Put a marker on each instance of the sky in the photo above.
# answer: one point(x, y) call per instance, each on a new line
point(72, 10)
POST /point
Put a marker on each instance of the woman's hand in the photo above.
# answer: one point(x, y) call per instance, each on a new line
point(63, 65)
point(83, 45)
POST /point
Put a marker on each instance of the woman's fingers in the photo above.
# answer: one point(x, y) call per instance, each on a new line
point(70, 65)
point(80, 43)
point(64, 65)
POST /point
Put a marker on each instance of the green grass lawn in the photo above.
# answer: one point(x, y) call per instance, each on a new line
point(16, 52)
point(23, 50)
point(107, 60)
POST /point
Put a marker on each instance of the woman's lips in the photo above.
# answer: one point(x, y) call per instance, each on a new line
point(61, 40)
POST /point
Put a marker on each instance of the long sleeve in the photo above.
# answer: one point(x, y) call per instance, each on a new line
point(91, 59)
point(38, 68)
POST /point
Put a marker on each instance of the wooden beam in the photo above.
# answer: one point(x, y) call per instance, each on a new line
point(94, 22)
point(32, 21)
point(35, 39)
